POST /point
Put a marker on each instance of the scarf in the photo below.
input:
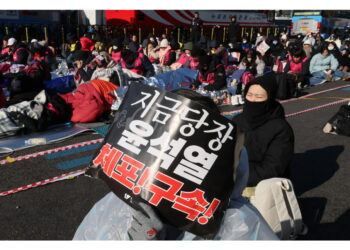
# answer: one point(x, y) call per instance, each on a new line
point(162, 55)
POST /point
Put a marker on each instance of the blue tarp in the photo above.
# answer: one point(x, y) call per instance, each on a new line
point(61, 85)
point(175, 79)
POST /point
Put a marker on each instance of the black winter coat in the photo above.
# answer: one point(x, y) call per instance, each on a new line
point(233, 29)
point(270, 147)
point(219, 75)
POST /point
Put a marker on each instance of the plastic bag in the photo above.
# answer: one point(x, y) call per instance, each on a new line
point(110, 218)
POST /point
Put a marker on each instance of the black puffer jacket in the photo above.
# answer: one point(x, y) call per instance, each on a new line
point(270, 147)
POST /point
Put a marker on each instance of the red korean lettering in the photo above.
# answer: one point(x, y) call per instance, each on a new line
point(141, 182)
point(103, 152)
point(160, 193)
point(191, 203)
point(125, 172)
point(110, 160)
point(209, 213)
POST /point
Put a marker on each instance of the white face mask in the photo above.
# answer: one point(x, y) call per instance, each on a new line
point(249, 59)
point(330, 48)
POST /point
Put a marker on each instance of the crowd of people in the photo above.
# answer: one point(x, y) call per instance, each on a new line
point(251, 72)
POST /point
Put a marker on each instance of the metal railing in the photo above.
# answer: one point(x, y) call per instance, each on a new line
point(56, 33)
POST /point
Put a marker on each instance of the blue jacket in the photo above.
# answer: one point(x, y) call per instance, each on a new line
point(321, 63)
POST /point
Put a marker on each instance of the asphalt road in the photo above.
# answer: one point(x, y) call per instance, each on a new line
point(320, 173)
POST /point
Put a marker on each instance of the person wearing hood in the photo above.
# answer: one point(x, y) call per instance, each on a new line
point(167, 55)
point(319, 40)
point(112, 219)
point(308, 49)
point(136, 62)
point(269, 138)
point(152, 52)
point(324, 67)
point(83, 71)
point(196, 26)
point(233, 29)
point(211, 73)
point(252, 63)
point(115, 48)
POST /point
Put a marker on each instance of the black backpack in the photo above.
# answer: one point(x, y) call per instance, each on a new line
point(286, 86)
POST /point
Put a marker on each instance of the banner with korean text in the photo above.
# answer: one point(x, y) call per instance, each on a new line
point(172, 153)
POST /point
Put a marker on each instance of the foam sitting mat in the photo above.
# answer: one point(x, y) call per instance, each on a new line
point(52, 134)
point(102, 130)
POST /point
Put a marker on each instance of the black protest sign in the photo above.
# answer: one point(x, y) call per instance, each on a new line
point(173, 153)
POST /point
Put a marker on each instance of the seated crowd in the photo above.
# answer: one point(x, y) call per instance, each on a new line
point(255, 72)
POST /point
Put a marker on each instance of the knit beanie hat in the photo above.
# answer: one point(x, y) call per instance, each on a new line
point(188, 46)
point(164, 43)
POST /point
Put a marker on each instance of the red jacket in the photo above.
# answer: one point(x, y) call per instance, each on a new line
point(5, 50)
point(87, 44)
point(137, 65)
point(116, 56)
point(87, 103)
point(90, 100)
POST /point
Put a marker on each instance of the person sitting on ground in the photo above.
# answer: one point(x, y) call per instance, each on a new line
point(334, 50)
point(324, 67)
point(269, 138)
point(186, 60)
point(19, 53)
point(245, 44)
point(84, 70)
point(39, 51)
point(166, 54)
point(211, 73)
point(115, 49)
point(4, 48)
point(133, 45)
point(152, 52)
point(298, 66)
point(35, 115)
point(241, 220)
point(252, 63)
point(345, 60)
point(16, 52)
point(136, 62)
point(318, 43)
point(67, 49)
point(235, 53)
point(307, 47)
point(99, 43)
point(219, 51)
